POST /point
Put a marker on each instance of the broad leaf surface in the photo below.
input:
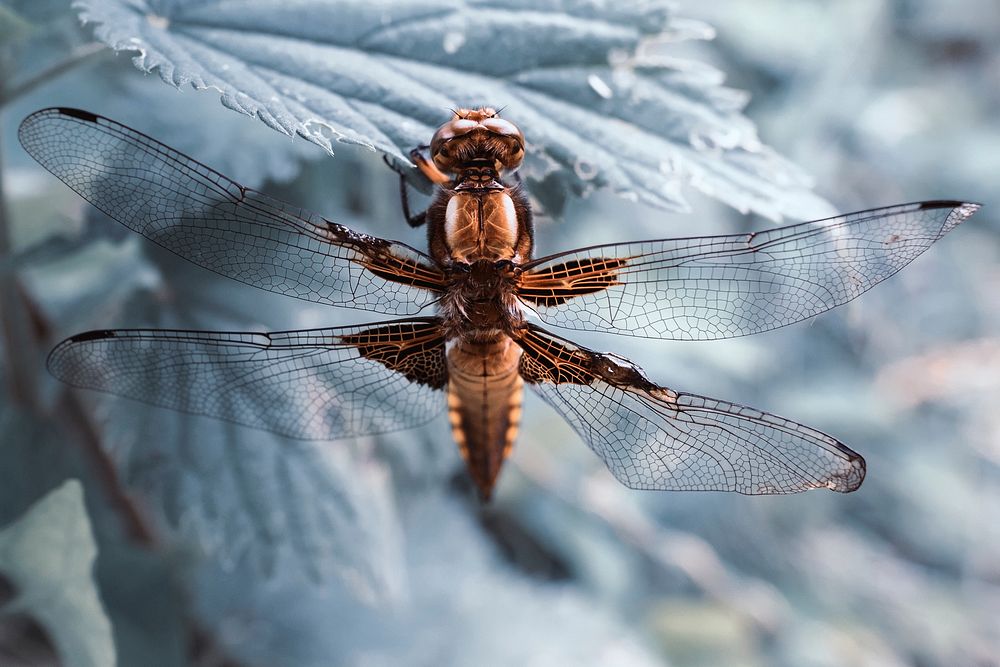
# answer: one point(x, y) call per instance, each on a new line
point(49, 555)
point(594, 86)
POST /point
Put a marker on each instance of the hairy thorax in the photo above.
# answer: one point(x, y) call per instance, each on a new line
point(480, 304)
point(481, 225)
point(480, 235)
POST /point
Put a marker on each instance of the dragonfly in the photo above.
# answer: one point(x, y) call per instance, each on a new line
point(471, 311)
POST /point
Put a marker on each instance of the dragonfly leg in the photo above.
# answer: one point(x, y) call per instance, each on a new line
point(412, 219)
point(427, 166)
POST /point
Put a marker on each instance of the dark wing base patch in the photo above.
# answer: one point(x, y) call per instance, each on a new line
point(555, 285)
point(414, 349)
point(547, 359)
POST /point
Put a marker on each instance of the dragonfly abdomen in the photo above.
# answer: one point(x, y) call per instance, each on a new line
point(485, 393)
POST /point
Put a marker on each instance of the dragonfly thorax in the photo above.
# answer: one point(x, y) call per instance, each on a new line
point(481, 300)
point(481, 225)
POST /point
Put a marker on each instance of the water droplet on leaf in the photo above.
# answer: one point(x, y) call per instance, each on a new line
point(585, 170)
point(600, 86)
point(453, 41)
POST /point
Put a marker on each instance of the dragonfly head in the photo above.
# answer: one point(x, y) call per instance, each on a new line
point(477, 138)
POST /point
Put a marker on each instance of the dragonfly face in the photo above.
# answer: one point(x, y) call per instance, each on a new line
point(480, 346)
point(477, 137)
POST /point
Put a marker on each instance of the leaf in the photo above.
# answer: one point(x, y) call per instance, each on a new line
point(13, 27)
point(588, 82)
point(462, 592)
point(49, 555)
point(241, 149)
point(138, 585)
point(248, 498)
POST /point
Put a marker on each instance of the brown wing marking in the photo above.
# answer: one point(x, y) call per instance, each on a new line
point(415, 349)
point(651, 437)
point(549, 360)
point(392, 267)
point(557, 284)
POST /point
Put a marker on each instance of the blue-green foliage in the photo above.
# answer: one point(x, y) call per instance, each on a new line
point(48, 555)
point(362, 552)
point(605, 106)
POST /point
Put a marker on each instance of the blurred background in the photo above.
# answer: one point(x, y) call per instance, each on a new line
point(217, 545)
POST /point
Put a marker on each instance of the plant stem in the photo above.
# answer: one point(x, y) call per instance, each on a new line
point(203, 648)
point(21, 338)
point(19, 347)
point(76, 57)
point(79, 424)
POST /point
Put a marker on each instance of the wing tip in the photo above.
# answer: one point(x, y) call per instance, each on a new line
point(959, 211)
point(948, 203)
point(52, 362)
point(852, 477)
point(79, 114)
point(97, 334)
point(70, 112)
point(24, 130)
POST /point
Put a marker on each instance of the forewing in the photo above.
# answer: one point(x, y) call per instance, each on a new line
point(652, 437)
point(726, 286)
point(316, 385)
point(216, 223)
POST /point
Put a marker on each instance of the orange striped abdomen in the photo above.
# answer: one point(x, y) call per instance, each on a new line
point(485, 393)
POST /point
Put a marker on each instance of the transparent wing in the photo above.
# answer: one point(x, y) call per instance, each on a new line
point(652, 437)
point(726, 286)
point(216, 223)
point(316, 385)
